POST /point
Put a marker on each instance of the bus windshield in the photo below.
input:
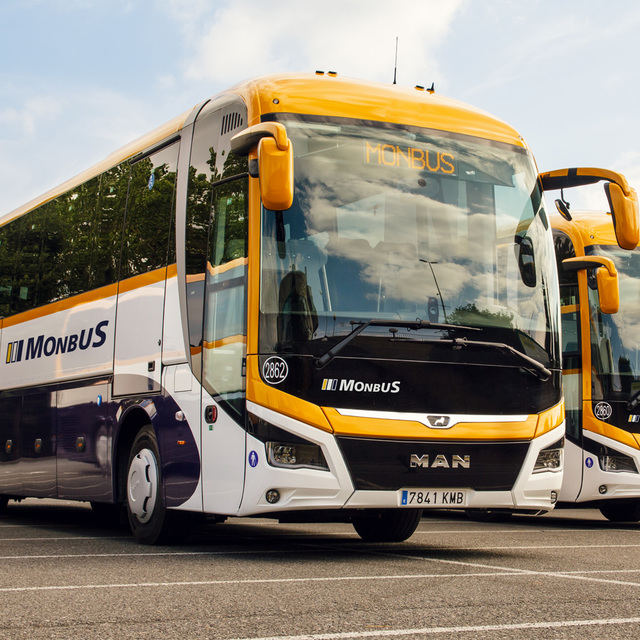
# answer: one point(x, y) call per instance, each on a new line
point(615, 338)
point(406, 224)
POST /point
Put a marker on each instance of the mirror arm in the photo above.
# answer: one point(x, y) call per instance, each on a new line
point(577, 177)
point(589, 262)
point(243, 142)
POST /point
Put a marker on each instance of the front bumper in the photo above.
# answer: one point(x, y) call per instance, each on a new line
point(343, 486)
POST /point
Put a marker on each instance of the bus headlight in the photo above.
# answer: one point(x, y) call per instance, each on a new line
point(611, 460)
point(285, 449)
point(550, 459)
point(296, 456)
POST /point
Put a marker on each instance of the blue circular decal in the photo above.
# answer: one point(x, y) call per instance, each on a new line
point(589, 463)
point(253, 459)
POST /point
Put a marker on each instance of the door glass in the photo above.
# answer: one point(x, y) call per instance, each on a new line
point(224, 343)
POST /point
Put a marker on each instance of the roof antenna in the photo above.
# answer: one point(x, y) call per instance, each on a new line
point(395, 66)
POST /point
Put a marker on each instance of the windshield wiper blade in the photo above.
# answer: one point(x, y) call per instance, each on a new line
point(326, 358)
point(536, 367)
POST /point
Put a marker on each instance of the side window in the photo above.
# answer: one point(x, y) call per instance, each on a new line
point(202, 175)
point(66, 258)
point(29, 235)
point(7, 263)
point(65, 247)
point(224, 340)
point(79, 210)
point(107, 233)
point(149, 212)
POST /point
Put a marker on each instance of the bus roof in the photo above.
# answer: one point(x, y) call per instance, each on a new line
point(334, 96)
point(317, 95)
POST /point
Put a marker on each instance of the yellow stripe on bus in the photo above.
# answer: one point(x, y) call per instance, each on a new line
point(108, 291)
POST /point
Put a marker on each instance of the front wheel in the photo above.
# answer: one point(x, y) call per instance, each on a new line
point(148, 517)
point(387, 525)
point(622, 511)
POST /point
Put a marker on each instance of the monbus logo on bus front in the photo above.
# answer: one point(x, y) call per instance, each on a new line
point(338, 384)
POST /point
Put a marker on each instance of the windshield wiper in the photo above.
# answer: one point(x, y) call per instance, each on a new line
point(634, 401)
point(326, 358)
point(536, 367)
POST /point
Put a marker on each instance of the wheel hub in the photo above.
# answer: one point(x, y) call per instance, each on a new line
point(142, 484)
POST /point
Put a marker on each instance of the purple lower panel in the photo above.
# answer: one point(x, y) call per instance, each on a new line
point(179, 457)
point(178, 451)
point(59, 442)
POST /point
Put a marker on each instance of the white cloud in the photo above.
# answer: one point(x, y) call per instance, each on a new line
point(245, 38)
point(36, 153)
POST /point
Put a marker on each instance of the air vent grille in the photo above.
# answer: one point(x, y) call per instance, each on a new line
point(230, 122)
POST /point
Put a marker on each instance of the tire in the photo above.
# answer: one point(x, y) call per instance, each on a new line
point(627, 511)
point(149, 520)
point(4, 500)
point(488, 515)
point(387, 525)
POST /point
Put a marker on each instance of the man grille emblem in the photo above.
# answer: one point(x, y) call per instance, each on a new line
point(438, 421)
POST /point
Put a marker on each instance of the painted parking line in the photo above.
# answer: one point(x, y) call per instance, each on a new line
point(199, 583)
point(515, 570)
point(151, 554)
point(55, 538)
point(389, 633)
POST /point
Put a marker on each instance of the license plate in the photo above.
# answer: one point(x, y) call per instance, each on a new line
point(432, 498)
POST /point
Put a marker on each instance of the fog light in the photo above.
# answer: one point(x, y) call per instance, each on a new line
point(295, 456)
point(602, 489)
point(554, 497)
point(272, 496)
point(549, 459)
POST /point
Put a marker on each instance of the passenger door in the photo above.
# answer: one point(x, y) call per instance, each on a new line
point(216, 260)
point(572, 388)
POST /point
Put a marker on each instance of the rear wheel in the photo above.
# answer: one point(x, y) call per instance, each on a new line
point(387, 525)
point(628, 511)
point(148, 517)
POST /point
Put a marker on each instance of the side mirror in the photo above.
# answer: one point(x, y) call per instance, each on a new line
point(606, 277)
point(623, 200)
point(526, 261)
point(275, 162)
point(624, 210)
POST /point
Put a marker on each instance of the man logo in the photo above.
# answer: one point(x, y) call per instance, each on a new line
point(438, 422)
point(439, 462)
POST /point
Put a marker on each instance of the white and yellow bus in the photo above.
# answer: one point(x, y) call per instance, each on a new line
point(308, 298)
point(599, 275)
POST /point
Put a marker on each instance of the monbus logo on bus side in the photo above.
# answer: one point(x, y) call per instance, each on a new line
point(34, 348)
point(337, 384)
point(439, 462)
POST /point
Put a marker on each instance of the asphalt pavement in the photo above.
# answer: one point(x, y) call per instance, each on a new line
point(569, 574)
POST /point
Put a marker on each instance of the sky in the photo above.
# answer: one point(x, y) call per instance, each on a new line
point(81, 78)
